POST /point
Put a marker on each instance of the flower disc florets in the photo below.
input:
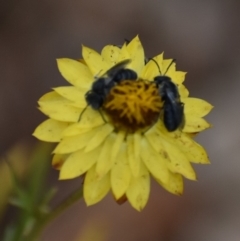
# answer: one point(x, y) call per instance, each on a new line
point(122, 152)
point(133, 105)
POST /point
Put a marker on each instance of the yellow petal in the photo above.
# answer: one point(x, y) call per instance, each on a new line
point(197, 154)
point(78, 163)
point(196, 107)
point(52, 96)
point(123, 53)
point(154, 162)
point(136, 52)
point(58, 108)
point(89, 119)
point(94, 61)
point(74, 130)
point(110, 54)
point(139, 189)
point(60, 111)
point(73, 94)
point(177, 76)
point(134, 161)
point(50, 130)
point(160, 62)
point(117, 143)
point(58, 160)
point(151, 69)
point(137, 144)
point(99, 137)
point(154, 139)
point(179, 162)
point(174, 184)
point(75, 72)
point(120, 174)
point(168, 67)
point(183, 91)
point(94, 190)
point(195, 124)
point(74, 143)
point(192, 135)
point(104, 163)
point(187, 145)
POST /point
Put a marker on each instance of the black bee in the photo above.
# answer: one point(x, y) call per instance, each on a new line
point(102, 86)
point(173, 108)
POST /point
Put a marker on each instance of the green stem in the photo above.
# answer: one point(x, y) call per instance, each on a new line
point(58, 210)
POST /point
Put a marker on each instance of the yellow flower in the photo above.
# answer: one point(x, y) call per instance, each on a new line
point(121, 145)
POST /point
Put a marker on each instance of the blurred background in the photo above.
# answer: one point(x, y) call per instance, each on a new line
point(203, 36)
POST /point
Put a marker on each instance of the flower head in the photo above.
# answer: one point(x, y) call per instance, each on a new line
point(124, 142)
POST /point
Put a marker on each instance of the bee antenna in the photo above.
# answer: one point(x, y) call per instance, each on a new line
point(173, 61)
point(156, 64)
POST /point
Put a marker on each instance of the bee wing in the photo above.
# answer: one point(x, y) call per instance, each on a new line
point(112, 71)
point(107, 80)
point(171, 92)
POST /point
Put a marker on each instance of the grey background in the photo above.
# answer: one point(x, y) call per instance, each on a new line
point(203, 36)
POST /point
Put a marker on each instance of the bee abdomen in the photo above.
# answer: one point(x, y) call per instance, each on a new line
point(173, 116)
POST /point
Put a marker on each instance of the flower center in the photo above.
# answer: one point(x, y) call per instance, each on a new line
point(133, 105)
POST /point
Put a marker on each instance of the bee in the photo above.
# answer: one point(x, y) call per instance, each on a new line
point(173, 108)
point(101, 87)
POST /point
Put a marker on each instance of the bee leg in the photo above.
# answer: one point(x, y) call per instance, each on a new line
point(100, 112)
point(80, 116)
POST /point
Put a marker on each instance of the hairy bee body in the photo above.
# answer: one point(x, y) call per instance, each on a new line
point(173, 108)
point(102, 86)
